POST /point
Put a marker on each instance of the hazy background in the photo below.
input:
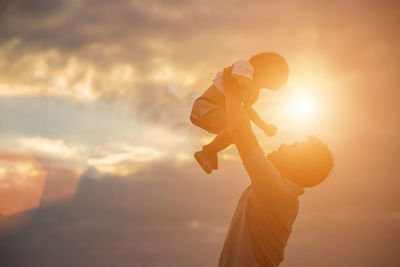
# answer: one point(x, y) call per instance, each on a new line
point(96, 164)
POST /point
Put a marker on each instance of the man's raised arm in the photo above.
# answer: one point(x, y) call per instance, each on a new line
point(236, 118)
point(263, 176)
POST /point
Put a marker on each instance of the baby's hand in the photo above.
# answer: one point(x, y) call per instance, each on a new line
point(270, 129)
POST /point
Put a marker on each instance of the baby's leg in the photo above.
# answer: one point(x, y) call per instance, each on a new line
point(219, 143)
point(212, 121)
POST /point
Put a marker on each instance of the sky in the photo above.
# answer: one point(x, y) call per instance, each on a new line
point(95, 98)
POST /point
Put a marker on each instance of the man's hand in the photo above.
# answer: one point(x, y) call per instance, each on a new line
point(229, 82)
point(270, 129)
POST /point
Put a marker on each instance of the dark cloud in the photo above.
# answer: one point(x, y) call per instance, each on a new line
point(150, 219)
point(3, 6)
point(177, 216)
point(199, 38)
point(162, 106)
point(37, 8)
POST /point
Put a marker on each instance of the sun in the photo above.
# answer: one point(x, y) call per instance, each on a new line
point(303, 107)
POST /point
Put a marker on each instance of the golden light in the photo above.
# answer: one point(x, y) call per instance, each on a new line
point(303, 108)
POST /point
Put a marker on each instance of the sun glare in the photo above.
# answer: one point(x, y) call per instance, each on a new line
point(303, 108)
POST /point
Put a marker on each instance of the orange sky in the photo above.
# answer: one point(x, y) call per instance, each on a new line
point(104, 89)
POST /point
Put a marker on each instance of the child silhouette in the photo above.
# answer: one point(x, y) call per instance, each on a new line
point(264, 70)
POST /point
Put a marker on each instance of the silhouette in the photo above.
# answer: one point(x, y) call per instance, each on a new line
point(263, 70)
point(264, 216)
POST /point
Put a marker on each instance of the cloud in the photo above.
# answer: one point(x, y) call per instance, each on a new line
point(124, 159)
point(148, 218)
point(133, 151)
point(164, 215)
point(55, 148)
point(115, 158)
point(157, 56)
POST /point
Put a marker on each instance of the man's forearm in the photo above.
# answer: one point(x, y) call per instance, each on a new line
point(250, 151)
point(263, 179)
point(238, 124)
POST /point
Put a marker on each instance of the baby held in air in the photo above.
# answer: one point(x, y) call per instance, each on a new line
point(262, 71)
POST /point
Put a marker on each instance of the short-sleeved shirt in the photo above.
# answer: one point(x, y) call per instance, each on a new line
point(264, 216)
point(240, 68)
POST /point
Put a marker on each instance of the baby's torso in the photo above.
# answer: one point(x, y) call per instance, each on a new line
point(215, 93)
point(241, 68)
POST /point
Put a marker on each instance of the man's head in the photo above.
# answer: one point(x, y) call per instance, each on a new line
point(306, 163)
point(271, 70)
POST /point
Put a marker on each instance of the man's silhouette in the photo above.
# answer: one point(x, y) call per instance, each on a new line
point(264, 216)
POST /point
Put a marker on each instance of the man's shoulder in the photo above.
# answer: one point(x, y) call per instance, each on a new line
point(268, 186)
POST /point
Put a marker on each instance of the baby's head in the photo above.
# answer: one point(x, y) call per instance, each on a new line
point(271, 70)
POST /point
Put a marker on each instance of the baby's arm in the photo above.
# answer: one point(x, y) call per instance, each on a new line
point(269, 129)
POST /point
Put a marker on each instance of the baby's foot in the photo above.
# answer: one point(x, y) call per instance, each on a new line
point(203, 160)
point(213, 158)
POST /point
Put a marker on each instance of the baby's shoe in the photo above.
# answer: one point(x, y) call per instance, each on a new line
point(203, 160)
point(211, 156)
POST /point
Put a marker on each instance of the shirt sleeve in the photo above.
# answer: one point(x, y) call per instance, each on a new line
point(243, 68)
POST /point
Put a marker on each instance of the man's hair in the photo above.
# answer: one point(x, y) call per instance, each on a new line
point(306, 163)
point(271, 70)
